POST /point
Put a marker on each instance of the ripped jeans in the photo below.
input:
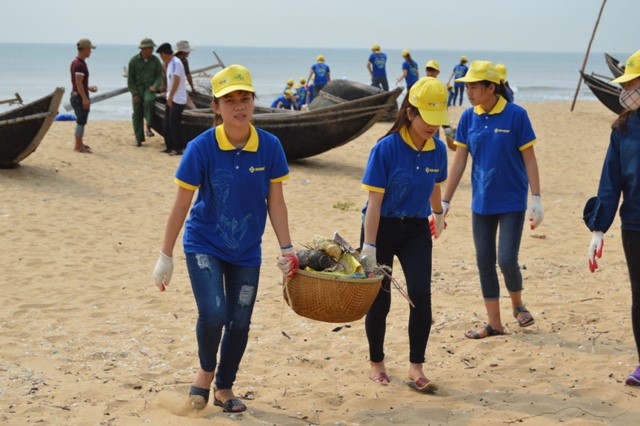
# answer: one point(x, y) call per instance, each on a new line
point(225, 295)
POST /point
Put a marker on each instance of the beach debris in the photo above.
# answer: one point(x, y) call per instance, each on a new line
point(318, 260)
point(286, 335)
point(331, 247)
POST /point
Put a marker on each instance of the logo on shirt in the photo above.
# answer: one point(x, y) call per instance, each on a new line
point(496, 130)
point(256, 169)
point(428, 170)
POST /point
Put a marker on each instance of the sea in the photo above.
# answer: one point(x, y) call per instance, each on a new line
point(34, 70)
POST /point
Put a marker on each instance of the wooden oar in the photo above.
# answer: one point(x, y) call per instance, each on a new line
point(16, 100)
point(101, 97)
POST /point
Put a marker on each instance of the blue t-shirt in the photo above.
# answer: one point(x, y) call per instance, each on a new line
point(495, 141)
point(378, 62)
point(321, 73)
point(301, 92)
point(229, 215)
point(286, 103)
point(412, 73)
point(405, 175)
point(459, 71)
point(311, 92)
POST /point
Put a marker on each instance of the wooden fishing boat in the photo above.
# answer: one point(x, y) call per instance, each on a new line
point(302, 133)
point(339, 91)
point(606, 93)
point(22, 128)
point(617, 69)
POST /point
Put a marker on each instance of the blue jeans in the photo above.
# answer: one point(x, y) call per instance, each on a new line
point(225, 295)
point(458, 89)
point(485, 228)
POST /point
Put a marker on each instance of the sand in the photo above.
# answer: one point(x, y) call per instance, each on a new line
point(86, 337)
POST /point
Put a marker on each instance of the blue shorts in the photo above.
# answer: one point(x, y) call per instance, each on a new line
point(82, 115)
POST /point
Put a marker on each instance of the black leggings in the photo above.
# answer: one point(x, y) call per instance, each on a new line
point(410, 241)
point(631, 245)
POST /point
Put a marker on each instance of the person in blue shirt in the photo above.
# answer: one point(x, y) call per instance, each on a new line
point(311, 94)
point(237, 171)
point(621, 176)
point(301, 93)
point(321, 74)
point(502, 70)
point(459, 71)
point(286, 101)
point(451, 94)
point(499, 137)
point(289, 85)
point(403, 177)
point(410, 71)
point(377, 66)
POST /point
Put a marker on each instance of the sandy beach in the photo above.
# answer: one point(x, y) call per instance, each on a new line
point(86, 338)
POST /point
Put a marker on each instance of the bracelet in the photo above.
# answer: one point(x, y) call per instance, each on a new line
point(287, 247)
point(440, 212)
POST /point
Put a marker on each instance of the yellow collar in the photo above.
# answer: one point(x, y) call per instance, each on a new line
point(429, 145)
point(497, 108)
point(225, 145)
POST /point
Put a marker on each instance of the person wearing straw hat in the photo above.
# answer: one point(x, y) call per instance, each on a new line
point(321, 74)
point(403, 177)
point(377, 68)
point(80, 89)
point(410, 72)
point(502, 70)
point(183, 49)
point(499, 137)
point(621, 176)
point(237, 171)
point(459, 71)
point(144, 79)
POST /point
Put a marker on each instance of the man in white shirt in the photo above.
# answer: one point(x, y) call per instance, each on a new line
point(176, 100)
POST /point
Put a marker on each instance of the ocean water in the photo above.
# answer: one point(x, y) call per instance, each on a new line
point(34, 70)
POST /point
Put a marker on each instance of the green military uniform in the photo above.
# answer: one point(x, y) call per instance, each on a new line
point(143, 74)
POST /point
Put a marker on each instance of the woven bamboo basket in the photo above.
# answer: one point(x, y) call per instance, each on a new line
point(330, 298)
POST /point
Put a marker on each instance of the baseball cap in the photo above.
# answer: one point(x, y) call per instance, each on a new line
point(405, 52)
point(290, 82)
point(430, 96)
point(145, 43)
point(288, 92)
point(433, 64)
point(303, 80)
point(320, 58)
point(165, 48)
point(375, 47)
point(631, 70)
point(230, 79)
point(480, 71)
point(84, 42)
point(502, 71)
point(463, 58)
point(183, 46)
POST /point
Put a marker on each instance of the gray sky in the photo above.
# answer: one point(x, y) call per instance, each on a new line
point(498, 25)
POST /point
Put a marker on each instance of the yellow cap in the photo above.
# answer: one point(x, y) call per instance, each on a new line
point(480, 71)
point(303, 80)
point(320, 58)
point(631, 70)
point(230, 79)
point(502, 71)
point(463, 58)
point(290, 82)
point(85, 42)
point(405, 53)
point(430, 96)
point(288, 92)
point(375, 47)
point(433, 64)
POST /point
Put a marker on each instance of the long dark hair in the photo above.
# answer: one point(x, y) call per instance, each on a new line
point(411, 61)
point(621, 121)
point(217, 118)
point(501, 89)
point(402, 119)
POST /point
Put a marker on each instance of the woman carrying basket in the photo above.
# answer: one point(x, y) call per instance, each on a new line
point(403, 175)
point(238, 171)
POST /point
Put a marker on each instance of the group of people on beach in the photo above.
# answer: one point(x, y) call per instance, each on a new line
point(236, 172)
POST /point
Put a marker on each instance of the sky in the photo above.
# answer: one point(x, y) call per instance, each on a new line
point(475, 25)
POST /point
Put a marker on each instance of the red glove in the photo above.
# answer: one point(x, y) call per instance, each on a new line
point(288, 261)
point(595, 249)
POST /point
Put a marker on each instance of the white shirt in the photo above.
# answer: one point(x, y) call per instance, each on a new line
point(175, 68)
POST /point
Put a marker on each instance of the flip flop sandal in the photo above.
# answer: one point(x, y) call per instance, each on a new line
point(380, 378)
point(199, 397)
point(472, 334)
point(525, 320)
point(229, 404)
point(423, 385)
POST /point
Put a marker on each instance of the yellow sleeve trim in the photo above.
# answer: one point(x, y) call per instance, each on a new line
point(440, 183)
point(464, 145)
point(373, 188)
point(527, 146)
point(185, 185)
point(280, 179)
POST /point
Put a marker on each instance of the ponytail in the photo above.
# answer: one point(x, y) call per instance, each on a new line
point(501, 89)
point(621, 121)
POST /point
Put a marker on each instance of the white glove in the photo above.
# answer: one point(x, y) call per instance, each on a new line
point(437, 224)
point(288, 261)
point(595, 249)
point(163, 270)
point(368, 258)
point(536, 214)
point(445, 207)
